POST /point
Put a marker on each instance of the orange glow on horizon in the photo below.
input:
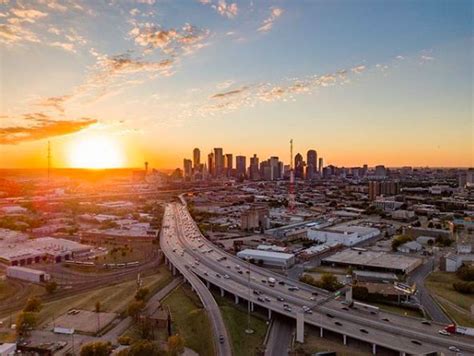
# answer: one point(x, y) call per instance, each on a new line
point(95, 152)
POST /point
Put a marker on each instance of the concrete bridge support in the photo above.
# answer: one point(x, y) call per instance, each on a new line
point(300, 327)
point(344, 339)
point(251, 306)
point(208, 285)
point(174, 271)
point(222, 292)
point(374, 349)
point(321, 332)
point(236, 299)
point(269, 314)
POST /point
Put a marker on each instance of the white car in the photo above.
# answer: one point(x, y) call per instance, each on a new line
point(226, 276)
point(443, 332)
point(453, 349)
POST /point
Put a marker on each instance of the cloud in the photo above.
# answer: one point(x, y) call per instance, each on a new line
point(399, 57)
point(229, 93)
point(11, 34)
point(426, 58)
point(267, 24)
point(229, 10)
point(124, 64)
point(358, 69)
point(56, 102)
point(43, 127)
point(28, 15)
point(64, 45)
point(172, 41)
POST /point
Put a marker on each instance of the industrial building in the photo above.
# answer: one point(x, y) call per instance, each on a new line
point(373, 260)
point(27, 274)
point(21, 252)
point(268, 258)
point(349, 236)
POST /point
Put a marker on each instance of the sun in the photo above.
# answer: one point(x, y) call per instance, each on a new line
point(95, 152)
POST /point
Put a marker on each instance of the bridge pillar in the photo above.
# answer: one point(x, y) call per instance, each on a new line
point(174, 271)
point(300, 327)
point(374, 349)
point(402, 353)
point(269, 314)
point(344, 339)
point(236, 299)
point(349, 295)
point(251, 306)
point(170, 267)
point(208, 285)
point(321, 332)
point(222, 292)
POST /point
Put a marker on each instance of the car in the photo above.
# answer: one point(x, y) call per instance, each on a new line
point(453, 349)
point(312, 298)
point(425, 322)
point(264, 281)
point(280, 299)
point(206, 274)
point(240, 272)
point(218, 275)
point(345, 308)
point(443, 332)
point(329, 315)
point(221, 339)
point(286, 305)
point(281, 283)
point(385, 319)
point(260, 299)
point(227, 266)
point(338, 323)
point(315, 293)
point(416, 342)
point(248, 272)
point(364, 331)
point(267, 299)
point(256, 292)
point(287, 308)
point(226, 276)
point(292, 288)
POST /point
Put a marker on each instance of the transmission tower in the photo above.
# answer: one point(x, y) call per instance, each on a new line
point(291, 190)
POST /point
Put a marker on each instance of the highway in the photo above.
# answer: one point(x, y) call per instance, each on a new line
point(168, 239)
point(429, 304)
point(203, 259)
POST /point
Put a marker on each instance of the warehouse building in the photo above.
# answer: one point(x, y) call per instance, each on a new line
point(268, 258)
point(373, 261)
point(27, 274)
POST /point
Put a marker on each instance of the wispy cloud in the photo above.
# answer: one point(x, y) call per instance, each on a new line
point(267, 24)
point(229, 10)
point(56, 102)
point(43, 127)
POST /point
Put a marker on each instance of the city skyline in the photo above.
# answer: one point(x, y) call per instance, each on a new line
point(118, 84)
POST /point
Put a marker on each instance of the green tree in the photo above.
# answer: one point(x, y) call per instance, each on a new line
point(134, 308)
point(33, 305)
point(51, 287)
point(25, 322)
point(466, 273)
point(141, 294)
point(96, 348)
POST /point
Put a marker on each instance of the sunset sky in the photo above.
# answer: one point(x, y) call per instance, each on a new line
point(121, 82)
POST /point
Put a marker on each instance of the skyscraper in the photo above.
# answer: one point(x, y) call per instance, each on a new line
point(380, 171)
point(196, 158)
point(229, 164)
point(312, 164)
point(210, 164)
point(299, 166)
point(187, 168)
point(219, 162)
point(320, 165)
point(254, 173)
point(240, 166)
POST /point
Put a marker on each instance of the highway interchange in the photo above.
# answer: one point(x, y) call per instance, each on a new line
point(193, 255)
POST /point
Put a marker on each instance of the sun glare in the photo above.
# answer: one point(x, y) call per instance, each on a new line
point(95, 152)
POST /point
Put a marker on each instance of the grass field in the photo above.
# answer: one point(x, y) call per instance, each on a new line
point(398, 310)
point(441, 284)
point(113, 299)
point(235, 317)
point(190, 320)
point(6, 289)
point(313, 343)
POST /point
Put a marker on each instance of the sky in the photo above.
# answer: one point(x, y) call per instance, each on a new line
point(116, 83)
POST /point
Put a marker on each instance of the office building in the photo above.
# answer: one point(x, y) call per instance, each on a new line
point(219, 162)
point(320, 165)
point(299, 166)
point(210, 164)
point(240, 166)
point(254, 171)
point(311, 164)
point(385, 188)
point(229, 164)
point(196, 158)
point(380, 171)
point(187, 168)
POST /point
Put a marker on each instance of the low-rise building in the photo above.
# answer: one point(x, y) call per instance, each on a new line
point(268, 258)
point(410, 247)
point(27, 274)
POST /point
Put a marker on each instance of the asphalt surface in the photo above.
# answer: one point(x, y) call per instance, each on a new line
point(381, 328)
point(426, 300)
point(280, 336)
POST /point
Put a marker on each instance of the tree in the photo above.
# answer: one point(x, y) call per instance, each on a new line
point(51, 287)
point(32, 305)
point(329, 281)
point(466, 273)
point(25, 322)
point(144, 348)
point(96, 348)
point(361, 293)
point(464, 287)
point(400, 240)
point(97, 307)
point(141, 294)
point(134, 308)
point(175, 345)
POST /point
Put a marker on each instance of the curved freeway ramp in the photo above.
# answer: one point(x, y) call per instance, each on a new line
point(169, 234)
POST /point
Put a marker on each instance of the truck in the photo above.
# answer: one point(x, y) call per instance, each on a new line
point(271, 281)
point(456, 329)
